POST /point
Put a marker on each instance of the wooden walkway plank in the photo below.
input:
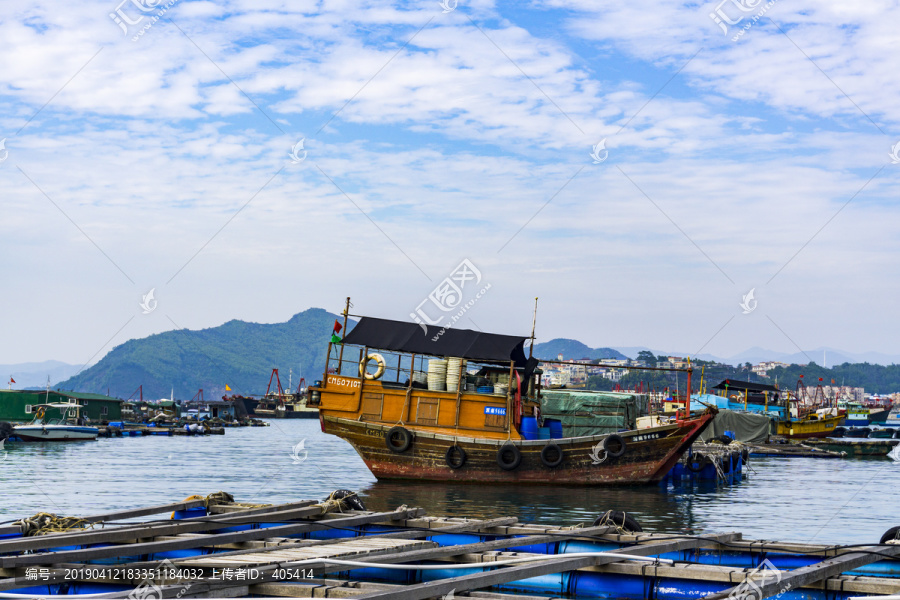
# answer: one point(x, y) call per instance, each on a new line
point(338, 588)
point(122, 514)
point(159, 528)
point(772, 582)
point(554, 564)
point(48, 558)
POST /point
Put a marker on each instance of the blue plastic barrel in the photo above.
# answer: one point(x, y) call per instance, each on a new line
point(529, 428)
point(556, 430)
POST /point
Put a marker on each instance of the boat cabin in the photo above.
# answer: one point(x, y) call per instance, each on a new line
point(58, 414)
point(435, 380)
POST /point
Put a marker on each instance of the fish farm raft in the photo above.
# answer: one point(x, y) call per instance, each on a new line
point(213, 546)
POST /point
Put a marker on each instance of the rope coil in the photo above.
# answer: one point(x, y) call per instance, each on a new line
point(46, 523)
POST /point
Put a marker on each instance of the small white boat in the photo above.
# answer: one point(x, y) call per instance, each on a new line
point(56, 423)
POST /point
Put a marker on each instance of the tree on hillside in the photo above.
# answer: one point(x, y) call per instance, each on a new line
point(647, 357)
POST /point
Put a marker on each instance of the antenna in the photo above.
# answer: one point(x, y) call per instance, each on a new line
point(533, 324)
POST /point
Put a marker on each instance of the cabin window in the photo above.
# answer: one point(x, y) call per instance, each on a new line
point(371, 406)
point(85, 403)
point(427, 411)
point(104, 410)
point(27, 409)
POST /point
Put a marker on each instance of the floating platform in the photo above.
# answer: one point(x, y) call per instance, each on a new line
point(722, 463)
point(792, 450)
point(214, 547)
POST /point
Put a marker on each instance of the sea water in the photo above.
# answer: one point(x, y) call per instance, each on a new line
point(785, 499)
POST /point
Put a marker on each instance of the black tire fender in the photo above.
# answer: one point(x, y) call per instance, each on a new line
point(547, 455)
point(696, 462)
point(455, 457)
point(726, 464)
point(509, 457)
point(403, 437)
point(614, 445)
point(891, 534)
point(619, 519)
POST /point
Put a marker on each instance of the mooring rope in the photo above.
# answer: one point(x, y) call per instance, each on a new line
point(43, 523)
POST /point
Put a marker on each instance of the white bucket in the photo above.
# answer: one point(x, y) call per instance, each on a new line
point(437, 374)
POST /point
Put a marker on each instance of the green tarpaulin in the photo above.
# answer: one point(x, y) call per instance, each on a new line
point(592, 413)
point(747, 426)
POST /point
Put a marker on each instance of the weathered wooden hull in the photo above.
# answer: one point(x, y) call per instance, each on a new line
point(650, 454)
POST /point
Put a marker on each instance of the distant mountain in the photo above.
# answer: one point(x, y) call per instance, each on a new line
point(821, 356)
point(35, 374)
point(237, 353)
point(829, 356)
point(572, 349)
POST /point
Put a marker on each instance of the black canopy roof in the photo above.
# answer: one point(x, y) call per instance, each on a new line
point(734, 384)
point(400, 336)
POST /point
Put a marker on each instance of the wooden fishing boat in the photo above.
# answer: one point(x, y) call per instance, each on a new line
point(809, 426)
point(470, 433)
point(57, 422)
point(278, 403)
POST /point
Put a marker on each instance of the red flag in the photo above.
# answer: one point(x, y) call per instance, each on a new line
point(11, 380)
point(337, 326)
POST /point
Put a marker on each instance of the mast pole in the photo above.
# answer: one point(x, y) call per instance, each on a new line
point(341, 355)
point(533, 323)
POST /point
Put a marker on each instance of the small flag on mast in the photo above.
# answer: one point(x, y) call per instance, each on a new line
point(227, 388)
point(337, 326)
point(335, 338)
point(11, 380)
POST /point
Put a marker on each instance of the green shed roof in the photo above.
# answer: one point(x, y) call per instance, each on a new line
point(87, 396)
point(66, 394)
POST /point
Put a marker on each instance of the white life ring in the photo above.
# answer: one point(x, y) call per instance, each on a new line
point(378, 372)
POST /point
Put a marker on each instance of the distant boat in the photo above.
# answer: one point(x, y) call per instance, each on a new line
point(894, 417)
point(56, 423)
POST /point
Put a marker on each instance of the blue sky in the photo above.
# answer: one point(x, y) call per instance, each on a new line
point(436, 133)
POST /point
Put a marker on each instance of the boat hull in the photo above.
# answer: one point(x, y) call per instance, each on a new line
point(51, 433)
point(799, 430)
point(650, 454)
point(856, 447)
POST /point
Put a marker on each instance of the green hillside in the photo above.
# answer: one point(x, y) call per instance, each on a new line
point(239, 354)
point(572, 349)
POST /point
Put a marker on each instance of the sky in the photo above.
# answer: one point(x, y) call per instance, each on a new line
point(701, 177)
